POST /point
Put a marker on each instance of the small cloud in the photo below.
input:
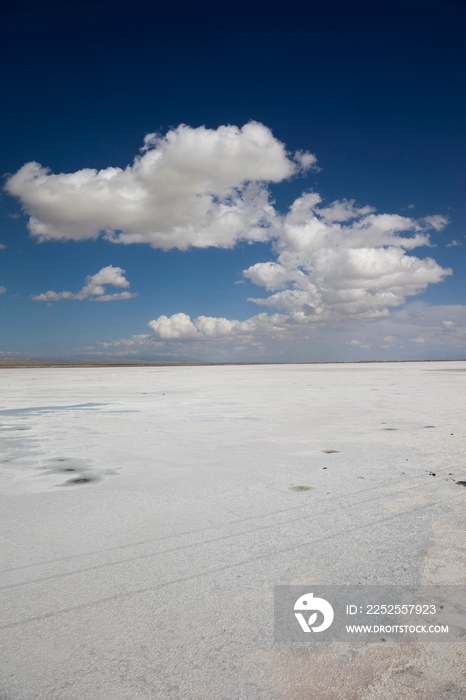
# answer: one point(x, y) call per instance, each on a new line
point(306, 161)
point(240, 282)
point(447, 324)
point(411, 206)
point(453, 243)
point(94, 287)
point(436, 221)
point(388, 341)
point(2, 246)
point(135, 340)
point(419, 341)
point(2, 290)
point(114, 297)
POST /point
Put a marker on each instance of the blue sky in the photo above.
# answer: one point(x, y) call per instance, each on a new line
point(196, 157)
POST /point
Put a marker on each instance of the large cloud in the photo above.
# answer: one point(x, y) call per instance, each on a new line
point(193, 187)
point(94, 287)
point(181, 327)
point(342, 261)
point(333, 263)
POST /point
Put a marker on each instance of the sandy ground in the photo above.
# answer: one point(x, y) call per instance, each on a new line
point(147, 513)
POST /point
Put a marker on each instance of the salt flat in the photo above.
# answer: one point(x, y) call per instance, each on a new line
point(147, 514)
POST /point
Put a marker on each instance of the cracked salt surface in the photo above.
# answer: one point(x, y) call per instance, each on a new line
point(148, 512)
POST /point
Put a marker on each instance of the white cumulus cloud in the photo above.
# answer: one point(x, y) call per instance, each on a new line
point(344, 261)
point(335, 263)
point(192, 187)
point(181, 327)
point(94, 287)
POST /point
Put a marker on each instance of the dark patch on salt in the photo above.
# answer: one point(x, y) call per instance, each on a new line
point(330, 452)
point(301, 488)
point(47, 409)
point(79, 480)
